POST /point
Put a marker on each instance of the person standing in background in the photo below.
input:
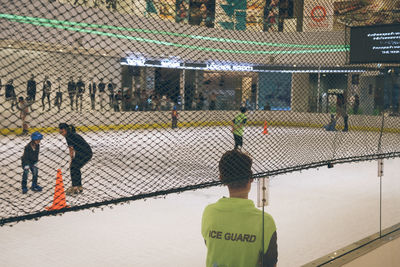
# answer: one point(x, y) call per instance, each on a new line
point(46, 91)
point(356, 104)
point(92, 92)
point(23, 106)
point(71, 91)
point(238, 127)
point(80, 88)
point(213, 100)
point(10, 93)
point(102, 92)
point(174, 117)
point(110, 88)
point(58, 101)
point(31, 90)
point(341, 111)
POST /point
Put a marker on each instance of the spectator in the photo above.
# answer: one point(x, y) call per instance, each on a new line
point(341, 110)
point(117, 100)
point(58, 101)
point(110, 88)
point(102, 91)
point(174, 117)
point(232, 227)
point(80, 88)
point(10, 93)
point(92, 92)
point(80, 153)
point(163, 102)
point(23, 106)
point(213, 100)
point(46, 91)
point(30, 160)
point(143, 101)
point(356, 104)
point(31, 89)
point(238, 127)
point(200, 101)
point(72, 91)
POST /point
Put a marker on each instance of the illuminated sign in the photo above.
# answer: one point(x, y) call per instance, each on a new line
point(136, 61)
point(176, 64)
point(166, 63)
point(227, 67)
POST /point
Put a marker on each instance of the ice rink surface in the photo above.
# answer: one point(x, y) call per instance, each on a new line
point(135, 162)
point(317, 211)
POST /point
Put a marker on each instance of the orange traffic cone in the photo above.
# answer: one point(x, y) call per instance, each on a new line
point(265, 128)
point(59, 194)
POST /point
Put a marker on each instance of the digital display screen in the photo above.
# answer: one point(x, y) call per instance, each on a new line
point(375, 44)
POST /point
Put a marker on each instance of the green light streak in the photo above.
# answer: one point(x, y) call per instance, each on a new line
point(64, 25)
point(26, 19)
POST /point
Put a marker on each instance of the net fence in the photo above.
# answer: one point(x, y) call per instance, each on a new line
point(158, 90)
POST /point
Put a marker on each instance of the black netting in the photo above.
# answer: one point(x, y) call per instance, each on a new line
point(154, 86)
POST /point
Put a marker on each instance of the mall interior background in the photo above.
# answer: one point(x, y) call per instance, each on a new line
point(148, 87)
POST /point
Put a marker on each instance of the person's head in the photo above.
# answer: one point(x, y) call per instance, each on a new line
point(235, 170)
point(243, 109)
point(20, 99)
point(65, 129)
point(46, 78)
point(36, 137)
point(32, 76)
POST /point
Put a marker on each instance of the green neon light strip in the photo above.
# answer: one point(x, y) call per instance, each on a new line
point(120, 36)
point(26, 19)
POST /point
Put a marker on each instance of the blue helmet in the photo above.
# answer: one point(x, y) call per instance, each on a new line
point(36, 136)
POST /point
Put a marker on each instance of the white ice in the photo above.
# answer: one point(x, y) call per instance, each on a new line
point(316, 212)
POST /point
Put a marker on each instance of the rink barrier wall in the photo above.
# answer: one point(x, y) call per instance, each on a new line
point(364, 248)
point(47, 122)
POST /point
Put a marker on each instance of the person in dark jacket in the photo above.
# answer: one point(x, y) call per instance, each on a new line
point(31, 89)
point(80, 153)
point(80, 89)
point(10, 94)
point(72, 92)
point(46, 91)
point(341, 111)
point(92, 92)
point(102, 92)
point(110, 88)
point(29, 160)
